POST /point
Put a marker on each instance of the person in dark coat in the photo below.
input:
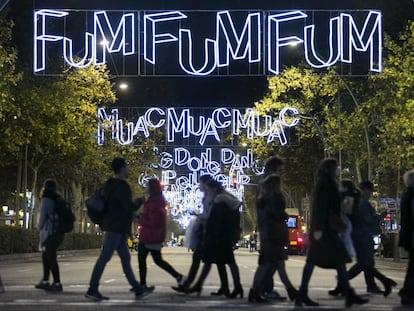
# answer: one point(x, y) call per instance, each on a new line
point(274, 235)
point(222, 230)
point(407, 237)
point(117, 226)
point(326, 248)
point(276, 166)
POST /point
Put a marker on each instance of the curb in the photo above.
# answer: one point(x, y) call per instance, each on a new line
point(27, 256)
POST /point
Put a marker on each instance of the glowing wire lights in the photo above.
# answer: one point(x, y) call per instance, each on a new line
point(259, 40)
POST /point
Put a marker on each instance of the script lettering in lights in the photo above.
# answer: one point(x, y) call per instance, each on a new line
point(257, 38)
point(179, 124)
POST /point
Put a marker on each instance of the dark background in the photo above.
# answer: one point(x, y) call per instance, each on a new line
point(198, 91)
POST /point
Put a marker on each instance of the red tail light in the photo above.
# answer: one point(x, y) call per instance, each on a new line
point(299, 240)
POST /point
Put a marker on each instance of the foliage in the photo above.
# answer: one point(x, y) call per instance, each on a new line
point(17, 240)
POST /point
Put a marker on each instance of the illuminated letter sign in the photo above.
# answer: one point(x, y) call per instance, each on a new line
point(171, 43)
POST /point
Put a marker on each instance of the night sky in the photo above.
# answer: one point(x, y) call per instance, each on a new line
point(213, 91)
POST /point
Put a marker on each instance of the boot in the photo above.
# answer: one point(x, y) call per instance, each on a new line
point(336, 292)
point(303, 299)
point(388, 285)
point(255, 297)
point(351, 298)
point(292, 293)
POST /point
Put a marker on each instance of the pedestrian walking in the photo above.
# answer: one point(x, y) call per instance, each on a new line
point(366, 225)
point(153, 230)
point(221, 232)
point(273, 232)
point(326, 248)
point(117, 227)
point(276, 166)
point(407, 237)
point(196, 243)
point(50, 238)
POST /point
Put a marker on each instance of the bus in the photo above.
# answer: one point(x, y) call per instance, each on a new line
point(296, 232)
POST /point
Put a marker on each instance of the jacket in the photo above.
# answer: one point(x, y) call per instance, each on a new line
point(46, 221)
point(271, 219)
point(119, 206)
point(221, 230)
point(407, 219)
point(329, 251)
point(364, 220)
point(153, 220)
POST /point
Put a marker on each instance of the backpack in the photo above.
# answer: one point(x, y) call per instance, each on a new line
point(96, 206)
point(63, 217)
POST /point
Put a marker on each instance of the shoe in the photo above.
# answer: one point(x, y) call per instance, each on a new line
point(238, 291)
point(336, 292)
point(145, 291)
point(375, 290)
point(292, 293)
point(388, 285)
point(303, 299)
point(195, 289)
point(95, 296)
point(274, 295)
point(54, 288)
point(351, 298)
point(181, 280)
point(221, 292)
point(42, 285)
point(255, 297)
point(180, 288)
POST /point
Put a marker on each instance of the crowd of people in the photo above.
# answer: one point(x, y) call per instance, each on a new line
point(342, 226)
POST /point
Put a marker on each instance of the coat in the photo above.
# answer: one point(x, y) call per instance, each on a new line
point(153, 220)
point(119, 206)
point(407, 219)
point(271, 224)
point(46, 220)
point(221, 230)
point(329, 251)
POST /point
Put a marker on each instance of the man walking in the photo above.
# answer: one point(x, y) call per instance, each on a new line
point(365, 224)
point(117, 226)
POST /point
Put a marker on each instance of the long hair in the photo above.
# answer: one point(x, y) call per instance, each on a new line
point(154, 187)
point(214, 185)
point(327, 167)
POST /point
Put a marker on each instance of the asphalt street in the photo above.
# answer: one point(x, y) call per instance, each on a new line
point(20, 275)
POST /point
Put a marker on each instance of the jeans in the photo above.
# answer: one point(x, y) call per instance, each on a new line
point(307, 274)
point(280, 266)
point(113, 241)
point(156, 256)
point(195, 265)
point(364, 247)
point(49, 258)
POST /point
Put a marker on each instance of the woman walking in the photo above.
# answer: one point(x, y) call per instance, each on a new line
point(327, 249)
point(274, 235)
point(153, 230)
point(221, 232)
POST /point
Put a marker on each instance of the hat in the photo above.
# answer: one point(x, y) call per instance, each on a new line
point(366, 185)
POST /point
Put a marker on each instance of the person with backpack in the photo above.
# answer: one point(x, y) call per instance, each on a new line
point(50, 236)
point(116, 225)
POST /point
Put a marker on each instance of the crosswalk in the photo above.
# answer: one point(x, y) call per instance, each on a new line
point(72, 299)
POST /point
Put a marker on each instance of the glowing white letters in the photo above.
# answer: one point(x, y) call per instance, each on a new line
point(251, 37)
point(180, 124)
